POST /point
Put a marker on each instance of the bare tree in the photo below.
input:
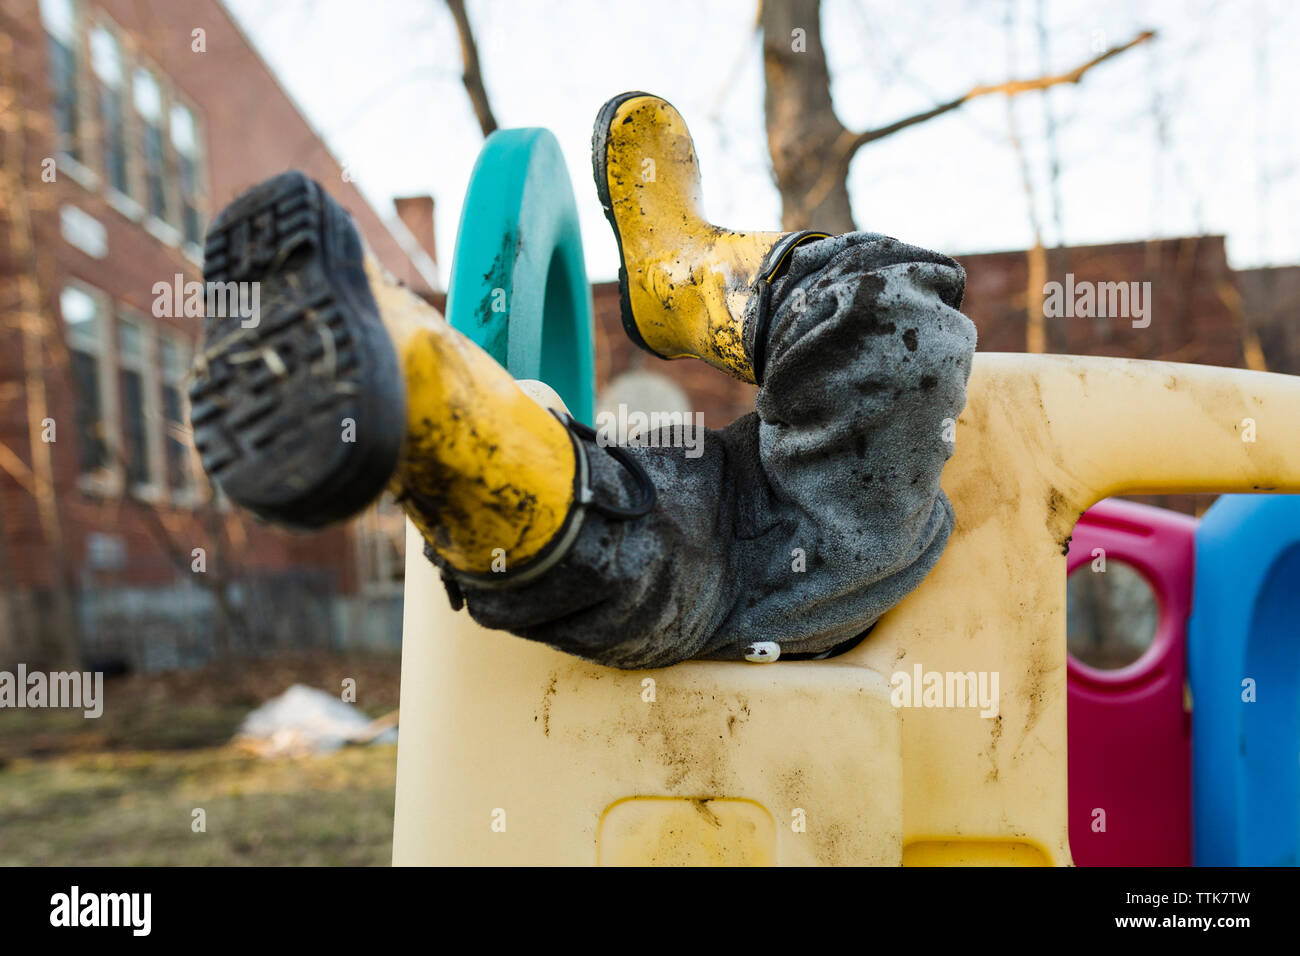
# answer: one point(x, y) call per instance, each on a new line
point(472, 76)
point(1035, 328)
point(33, 324)
point(811, 149)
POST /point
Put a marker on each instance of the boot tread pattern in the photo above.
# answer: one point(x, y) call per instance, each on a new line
point(270, 403)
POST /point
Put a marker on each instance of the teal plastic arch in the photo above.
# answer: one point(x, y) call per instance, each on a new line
point(518, 279)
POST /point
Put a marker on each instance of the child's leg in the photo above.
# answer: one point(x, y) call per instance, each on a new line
point(801, 524)
point(869, 359)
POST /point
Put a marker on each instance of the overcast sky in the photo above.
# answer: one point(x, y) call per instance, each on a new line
point(1194, 133)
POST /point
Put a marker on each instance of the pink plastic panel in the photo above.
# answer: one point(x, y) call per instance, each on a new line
point(1129, 735)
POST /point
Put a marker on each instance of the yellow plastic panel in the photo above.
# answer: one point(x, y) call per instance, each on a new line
point(1043, 438)
point(510, 752)
point(654, 831)
point(973, 853)
point(491, 722)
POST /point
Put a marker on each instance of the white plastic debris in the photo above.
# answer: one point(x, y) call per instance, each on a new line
point(304, 720)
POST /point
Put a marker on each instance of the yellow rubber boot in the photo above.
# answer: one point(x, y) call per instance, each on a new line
point(346, 383)
point(684, 284)
point(489, 475)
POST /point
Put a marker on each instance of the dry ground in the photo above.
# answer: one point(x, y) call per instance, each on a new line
point(123, 789)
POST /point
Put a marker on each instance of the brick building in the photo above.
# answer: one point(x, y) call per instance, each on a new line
point(1193, 319)
point(1192, 316)
point(127, 123)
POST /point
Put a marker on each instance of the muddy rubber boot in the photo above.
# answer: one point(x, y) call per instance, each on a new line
point(684, 284)
point(346, 383)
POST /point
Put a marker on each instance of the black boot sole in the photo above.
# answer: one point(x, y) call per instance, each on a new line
point(299, 417)
point(600, 170)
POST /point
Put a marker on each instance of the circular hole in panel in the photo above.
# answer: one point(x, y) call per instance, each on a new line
point(1111, 615)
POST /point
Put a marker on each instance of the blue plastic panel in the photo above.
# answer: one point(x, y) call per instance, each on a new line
point(1244, 634)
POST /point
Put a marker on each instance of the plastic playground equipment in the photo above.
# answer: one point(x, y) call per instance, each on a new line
point(524, 249)
point(1222, 787)
point(1245, 679)
point(1130, 733)
point(512, 753)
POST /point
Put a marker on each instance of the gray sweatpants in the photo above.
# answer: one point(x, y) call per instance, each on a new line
point(802, 522)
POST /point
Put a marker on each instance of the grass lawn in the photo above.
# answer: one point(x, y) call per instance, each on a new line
point(122, 790)
point(137, 808)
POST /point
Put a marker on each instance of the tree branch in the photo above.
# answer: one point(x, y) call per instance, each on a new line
point(218, 583)
point(472, 76)
point(849, 142)
point(1009, 88)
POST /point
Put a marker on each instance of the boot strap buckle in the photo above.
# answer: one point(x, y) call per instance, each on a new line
point(585, 495)
point(774, 265)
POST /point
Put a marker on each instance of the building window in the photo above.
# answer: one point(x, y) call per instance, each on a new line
point(83, 318)
point(60, 20)
point(149, 108)
point(175, 364)
point(106, 60)
point(185, 142)
point(381, 548)
point(133, 380)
